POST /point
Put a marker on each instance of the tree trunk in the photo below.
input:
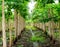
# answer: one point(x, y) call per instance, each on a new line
point(19, 24)
point(49, 28)
point(10, 34)
point(43, 26)
point(3, 26)
point(59, 25)
point(16, 22)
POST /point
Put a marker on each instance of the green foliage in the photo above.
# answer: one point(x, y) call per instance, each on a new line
point(0, 10)
point(42, 3)
point(0, 13)
point(19, 5)
point(50, 1)
point(0, 2)
point(35, 39)
point(41, 14)
point(30, 27)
